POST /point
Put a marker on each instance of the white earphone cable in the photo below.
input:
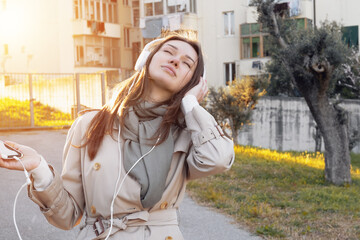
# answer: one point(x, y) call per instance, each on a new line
point(28, 182)
point(116, 192)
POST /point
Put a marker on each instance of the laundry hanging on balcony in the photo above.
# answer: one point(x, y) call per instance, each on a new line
point(152, 28)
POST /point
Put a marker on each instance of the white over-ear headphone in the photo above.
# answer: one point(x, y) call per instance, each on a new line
point(141, 61)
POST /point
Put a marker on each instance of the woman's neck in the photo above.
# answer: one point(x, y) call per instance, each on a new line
point(157, 95)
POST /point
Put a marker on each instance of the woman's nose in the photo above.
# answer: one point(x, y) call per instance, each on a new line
point(174, 62)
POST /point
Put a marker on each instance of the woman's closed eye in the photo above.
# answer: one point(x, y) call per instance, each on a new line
point(167, 51)
point(187, 64)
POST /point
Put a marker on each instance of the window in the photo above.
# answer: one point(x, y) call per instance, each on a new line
point(127, 37)
point(149, 9)
point(136, 17)
point(154, 7)
point(255, 47)
point(228, 23)
point(192, 7)
point(175, 6)
point(94, 51)
point(350, 35)
point(246, 47)
point(252, 41)
point(126, 2)
point(135, 3)
point(80, 55)
point(164, 7)
point(76, 9)
point(97, 14)
point(229, 72)
point(159, 8)
point(96, 10)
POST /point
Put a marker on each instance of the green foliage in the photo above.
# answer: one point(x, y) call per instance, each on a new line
point(304, 48)
point(232, 106)
point(355, 161)
point(16, 113)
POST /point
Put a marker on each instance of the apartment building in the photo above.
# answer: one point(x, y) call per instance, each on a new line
point(234, 45)
point(345, 12)
point(66, 36)
point(167, 15)
point(97, 35)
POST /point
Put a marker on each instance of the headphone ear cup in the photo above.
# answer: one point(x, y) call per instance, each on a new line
point(141, 61)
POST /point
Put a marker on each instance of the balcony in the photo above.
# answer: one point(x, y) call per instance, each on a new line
point(87, 27)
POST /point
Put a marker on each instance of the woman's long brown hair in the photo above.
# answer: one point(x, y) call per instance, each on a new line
point(103, 122)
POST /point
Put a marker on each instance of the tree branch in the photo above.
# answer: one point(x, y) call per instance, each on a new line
point(277, 31)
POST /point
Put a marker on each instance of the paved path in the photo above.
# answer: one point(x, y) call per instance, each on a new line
point(196, 222)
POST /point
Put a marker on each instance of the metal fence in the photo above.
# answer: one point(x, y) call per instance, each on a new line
point(51, 100)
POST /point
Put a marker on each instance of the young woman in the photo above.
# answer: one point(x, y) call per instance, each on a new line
point(126, 166)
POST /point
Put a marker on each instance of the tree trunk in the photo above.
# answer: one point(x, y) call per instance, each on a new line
point(333, 126)
point(332, 122)
point(318, 139)
point(234, 132)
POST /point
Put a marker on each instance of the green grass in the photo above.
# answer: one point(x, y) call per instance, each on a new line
point(282, 199)
point(355, 160)
point(15, 113)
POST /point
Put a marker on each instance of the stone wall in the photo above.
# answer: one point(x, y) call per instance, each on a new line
point(285, 123)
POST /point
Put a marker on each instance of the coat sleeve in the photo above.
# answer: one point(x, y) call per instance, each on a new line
point(62, 202)
point(211, 151)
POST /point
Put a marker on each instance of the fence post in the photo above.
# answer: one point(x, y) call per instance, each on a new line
point(103, 97)
point(32, 121)
point(77, 86)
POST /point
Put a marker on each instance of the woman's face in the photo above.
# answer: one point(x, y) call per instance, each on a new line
point(172, 67)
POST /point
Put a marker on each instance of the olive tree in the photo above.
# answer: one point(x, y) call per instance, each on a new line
point(315, 63)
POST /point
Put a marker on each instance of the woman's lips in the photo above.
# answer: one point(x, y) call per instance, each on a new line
point(169, 69)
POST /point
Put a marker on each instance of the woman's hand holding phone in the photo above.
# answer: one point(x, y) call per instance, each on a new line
point(31, 159)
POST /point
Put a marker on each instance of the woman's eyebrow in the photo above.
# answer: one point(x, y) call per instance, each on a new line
point(176, 48)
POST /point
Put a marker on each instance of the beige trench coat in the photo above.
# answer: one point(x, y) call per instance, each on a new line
point(87, 187)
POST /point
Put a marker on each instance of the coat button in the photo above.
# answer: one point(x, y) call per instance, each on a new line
point(164, 205)
point(97, 166)
point(169, 238)
point(93, 210)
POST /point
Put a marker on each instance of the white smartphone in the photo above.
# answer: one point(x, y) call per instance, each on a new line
point(8, 152)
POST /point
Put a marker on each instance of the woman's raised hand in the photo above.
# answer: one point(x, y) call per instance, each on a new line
point(31, 158)
point(200, 90)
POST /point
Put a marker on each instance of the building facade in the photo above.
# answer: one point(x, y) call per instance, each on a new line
point(68, 36)
point(95, 35)
point(253, 52)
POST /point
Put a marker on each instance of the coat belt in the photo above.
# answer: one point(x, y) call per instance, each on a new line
point(155, 218)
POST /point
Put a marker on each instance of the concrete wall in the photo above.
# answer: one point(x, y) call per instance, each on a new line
point(287, 124)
